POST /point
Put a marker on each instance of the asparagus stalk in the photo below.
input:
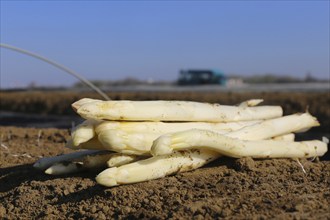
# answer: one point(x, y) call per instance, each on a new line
point(95, 160)
point(155, 167)
point(167, 127)
point(173, 111)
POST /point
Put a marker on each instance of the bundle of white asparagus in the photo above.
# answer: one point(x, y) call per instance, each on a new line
point(144, 140)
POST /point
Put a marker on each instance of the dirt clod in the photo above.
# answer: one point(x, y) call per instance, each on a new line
point(245, 164)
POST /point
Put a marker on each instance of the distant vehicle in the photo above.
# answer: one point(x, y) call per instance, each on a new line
point(201, 77)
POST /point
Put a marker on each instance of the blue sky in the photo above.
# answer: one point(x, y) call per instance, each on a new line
point(155, 39)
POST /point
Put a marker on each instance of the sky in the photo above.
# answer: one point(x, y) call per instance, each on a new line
point(111, 40)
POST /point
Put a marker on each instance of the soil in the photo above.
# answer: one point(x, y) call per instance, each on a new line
point(227, 188)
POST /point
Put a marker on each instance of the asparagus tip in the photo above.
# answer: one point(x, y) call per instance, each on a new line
point(161, 146)
point(108, 177)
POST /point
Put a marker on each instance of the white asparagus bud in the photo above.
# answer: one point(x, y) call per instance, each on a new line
point(155, 167)
point(275, 127)
point(250, 103)
point(83, 132)
point(174, 111)
point(119, 159)
point(204, 139)
point(65, 168)
point(46, 162)
point(81, 102)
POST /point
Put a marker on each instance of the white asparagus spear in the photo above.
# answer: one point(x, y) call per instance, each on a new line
point(46, 162)
point(155, 167)
point(92, 161)
point(83, 132)
point(275, 127)
point(119, 159)
point(65, 168)
point(233, 147)
point(174, 111)
point(167, 127)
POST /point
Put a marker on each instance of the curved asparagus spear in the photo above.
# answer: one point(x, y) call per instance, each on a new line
point(233, 147)
point(155, 167)
point(173, 111)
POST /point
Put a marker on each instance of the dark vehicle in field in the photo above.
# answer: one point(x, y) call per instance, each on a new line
point(201, 77)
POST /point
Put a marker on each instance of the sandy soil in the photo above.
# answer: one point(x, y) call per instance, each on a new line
point(227, 188)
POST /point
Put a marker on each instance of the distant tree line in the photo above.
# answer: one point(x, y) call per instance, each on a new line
point(255, 79)
point(274, 78)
